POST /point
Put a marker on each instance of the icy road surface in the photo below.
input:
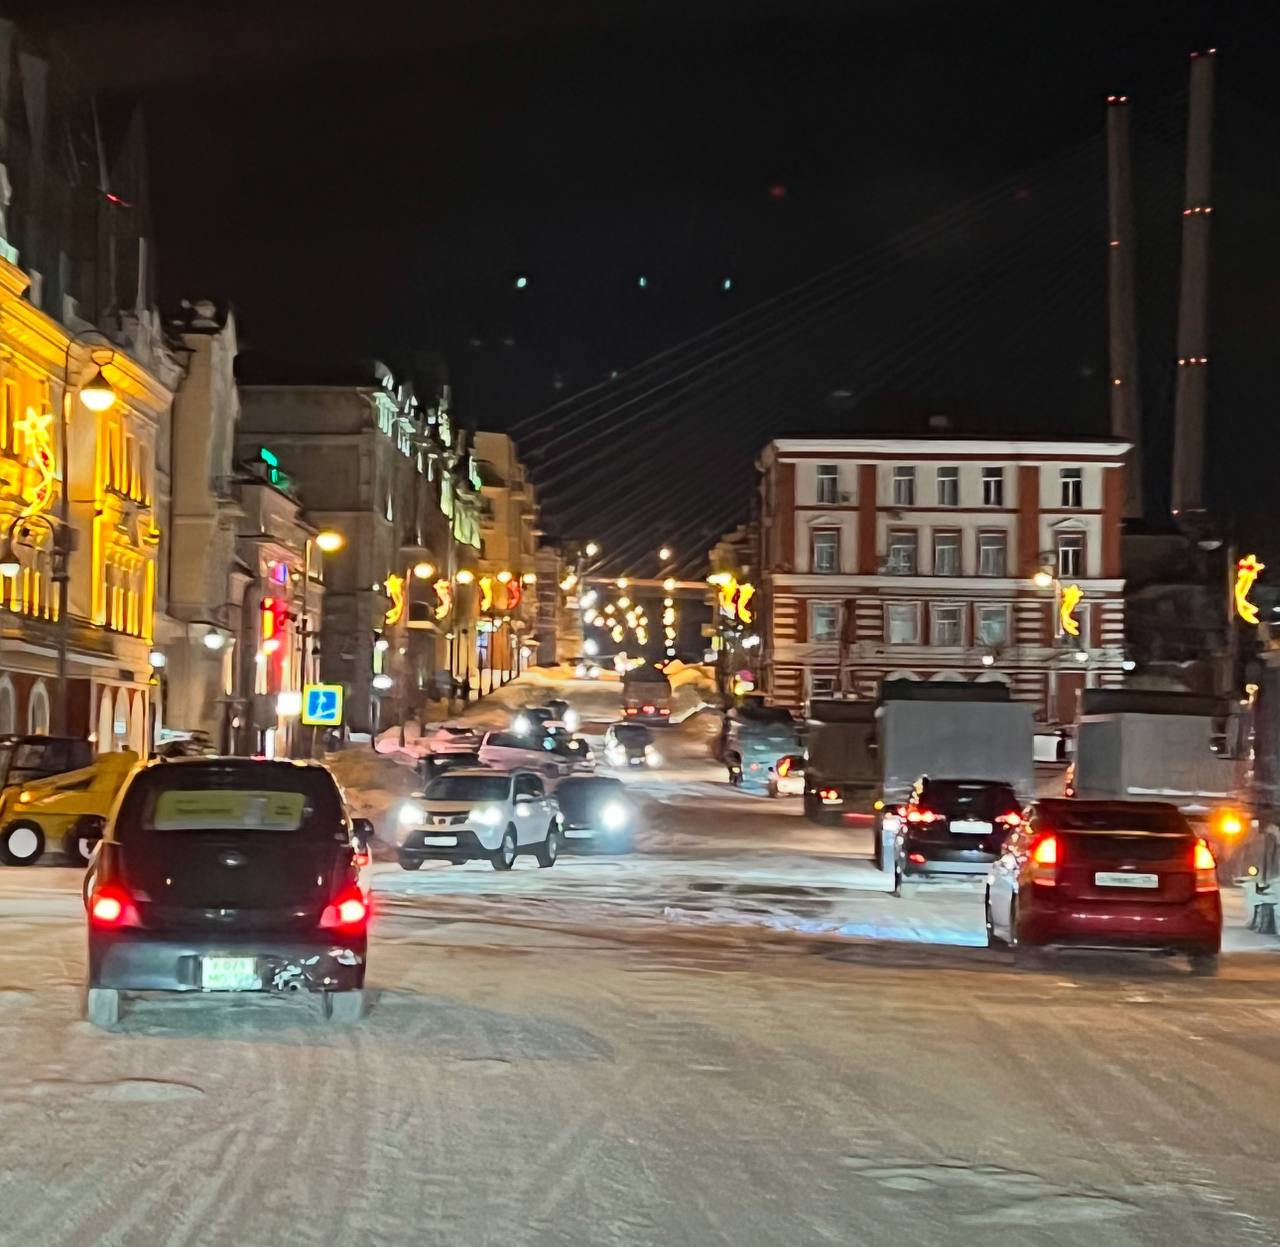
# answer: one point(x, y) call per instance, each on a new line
point(691, 1046)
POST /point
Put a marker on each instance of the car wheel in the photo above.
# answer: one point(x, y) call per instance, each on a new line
point(21, 843)
point(102, 1006)
point(549, 849)
point(1204, 965)
point(505, 857)
point(410, 863)
point(343, 1008)
point(993, 940)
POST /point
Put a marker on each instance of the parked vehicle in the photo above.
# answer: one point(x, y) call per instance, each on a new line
point(953, 827)
point(756, 737)
point(842, 773)
point(786, 776)
point(598, 815)
point(630, 744)
point(646, 695)
point(481, 815)
point(66, 812)
point(532, 720)
point(228, 875)
point(1107, 874)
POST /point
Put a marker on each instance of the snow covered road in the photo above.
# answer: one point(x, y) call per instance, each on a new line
point(696, 1045)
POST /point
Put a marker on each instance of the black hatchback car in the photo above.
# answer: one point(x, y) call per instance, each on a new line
point(228, 875)
point(953, 827)
point(598, 816)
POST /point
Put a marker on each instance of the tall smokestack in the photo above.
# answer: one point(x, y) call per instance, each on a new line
point(1192, 383)
point(1126, 402)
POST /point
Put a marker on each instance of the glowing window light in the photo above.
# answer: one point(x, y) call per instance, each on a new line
point(1072, 596)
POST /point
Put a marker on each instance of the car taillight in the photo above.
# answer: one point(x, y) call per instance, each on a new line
point(1011, 819)
point(1044, 861)
point(829, 796)
point(349, 912)
point(664, 711)
point(922, 816)
point(630, 710)
point(361, 858)
point(648, 709)
point(112, 907)
point(917, 859)
point(784, 768)
point(1206, 867)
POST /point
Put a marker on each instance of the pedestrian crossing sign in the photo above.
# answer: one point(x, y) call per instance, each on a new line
point(322, 705)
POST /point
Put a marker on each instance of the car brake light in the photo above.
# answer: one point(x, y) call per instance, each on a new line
point(916, 859)
point(1206, 868)
point(829, 796)
point(112, 907)
point(630, 710)
point(1044, 860)
point(350, 911)
point(648, 709)
point(922, 816)
point(1011, 819)
point(361, 858)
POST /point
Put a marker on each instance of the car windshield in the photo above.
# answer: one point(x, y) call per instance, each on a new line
point(468, 788)
point(959, 798)
point(255, 798)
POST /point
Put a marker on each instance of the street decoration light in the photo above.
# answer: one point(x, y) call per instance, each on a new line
point(395, 591)
point(1248, 569)
point(1072, 596)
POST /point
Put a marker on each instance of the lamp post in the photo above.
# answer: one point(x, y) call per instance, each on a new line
point(328, 542)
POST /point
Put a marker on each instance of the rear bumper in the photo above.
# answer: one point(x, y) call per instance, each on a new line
point(940, 860)
point(142, 962)
point(1194, 926)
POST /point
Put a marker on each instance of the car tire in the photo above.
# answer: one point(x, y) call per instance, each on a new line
point(102, 1006)
point(505, 855)
point(1204, 965)
point(21, 842)
point(410, 863)
point(343, 1008)
point(549, 849)
point(993, 940)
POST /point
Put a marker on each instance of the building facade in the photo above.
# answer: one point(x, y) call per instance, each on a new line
point(942, 558)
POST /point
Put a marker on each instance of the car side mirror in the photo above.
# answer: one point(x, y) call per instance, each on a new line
point(362, 831)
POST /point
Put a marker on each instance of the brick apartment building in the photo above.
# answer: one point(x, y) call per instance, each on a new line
point(942, 558)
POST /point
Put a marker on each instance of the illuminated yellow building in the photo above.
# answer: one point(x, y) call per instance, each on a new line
point(111, 510)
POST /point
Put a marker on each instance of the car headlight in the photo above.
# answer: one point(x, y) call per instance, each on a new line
point(613, 816)
point(571, 720)
point(652, 756)
point(487, 815)
point(411, 815)
point(521, 725)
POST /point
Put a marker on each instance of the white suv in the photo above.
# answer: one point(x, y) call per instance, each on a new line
point(486, 815)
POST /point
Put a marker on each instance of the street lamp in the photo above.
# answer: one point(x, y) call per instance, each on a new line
point(424, 571)
point(665, 553)
point(1043, 578)
point(97, 394)
point(591, 549)
point(329, 541)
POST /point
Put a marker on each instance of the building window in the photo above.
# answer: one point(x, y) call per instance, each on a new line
point(904, 487)
point(38, 710)
point(948, 487)
point(826, 550)
point(1072, 482)
point(944, 626)
point(822, 683)
point(903, 552)
point(1070, 555)
point(824, 621)
point(992, 554)
point(993, 487)
point(993, 625)
point(902, 623)
point(8, 707)
point(828, 483)
point(946, 554)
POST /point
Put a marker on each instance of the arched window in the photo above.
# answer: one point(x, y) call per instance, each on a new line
point(8, 706)
point(38, 710)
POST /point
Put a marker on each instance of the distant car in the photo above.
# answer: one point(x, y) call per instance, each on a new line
point(786, 776)
point(480, 815)
point(1107, 874)
point(67, 812)
point(597, 814)
point(433, 764)
point(953, 827)
point(532, 720)
point(630, 744)
point(506, 750)
point(228, 875)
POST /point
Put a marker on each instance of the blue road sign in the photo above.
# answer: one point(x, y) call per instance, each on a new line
point(322, 705)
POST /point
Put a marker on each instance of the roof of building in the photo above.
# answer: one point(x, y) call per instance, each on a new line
point(257, 368)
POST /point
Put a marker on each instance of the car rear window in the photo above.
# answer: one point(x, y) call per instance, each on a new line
point(468, 788)
point(267, 799)
point(1073, 816)
point(632, 733)
point(970, 797)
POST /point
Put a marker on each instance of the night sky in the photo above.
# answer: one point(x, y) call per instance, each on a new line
point(370, 179)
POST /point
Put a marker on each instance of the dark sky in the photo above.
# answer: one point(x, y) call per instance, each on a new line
point(369, 178)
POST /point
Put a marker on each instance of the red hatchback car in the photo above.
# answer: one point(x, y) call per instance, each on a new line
point(1107, 874)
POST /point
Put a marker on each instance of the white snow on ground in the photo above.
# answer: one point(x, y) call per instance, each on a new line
point(552, 1059)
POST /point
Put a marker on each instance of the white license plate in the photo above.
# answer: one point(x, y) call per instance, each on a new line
point(970, 827)
point(230, 974)
point(452, 840)
point(1122, 879)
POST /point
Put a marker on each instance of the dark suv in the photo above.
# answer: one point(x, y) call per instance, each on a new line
point(953, 827)
point(228, 875)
